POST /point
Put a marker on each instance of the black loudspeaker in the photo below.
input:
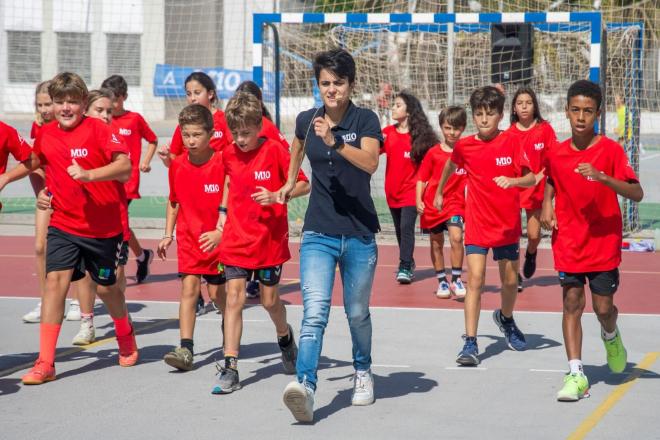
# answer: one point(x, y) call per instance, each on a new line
point(512, 53)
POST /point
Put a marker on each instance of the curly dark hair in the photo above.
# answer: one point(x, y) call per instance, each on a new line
point(422, 134)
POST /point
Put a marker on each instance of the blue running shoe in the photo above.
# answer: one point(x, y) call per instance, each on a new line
point(514, 337)
point(468, 356)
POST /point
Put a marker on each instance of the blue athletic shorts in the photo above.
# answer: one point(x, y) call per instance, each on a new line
point(507, 252)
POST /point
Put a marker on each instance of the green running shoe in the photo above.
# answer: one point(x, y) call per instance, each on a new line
point(617, 356)
point(576, 387)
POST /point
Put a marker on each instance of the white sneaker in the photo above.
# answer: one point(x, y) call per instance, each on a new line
point(33, 315)
point(443, 290)
point(86, 334)
point(363, 388)
point(74, 311)
point(459, 288)
point(300, 401)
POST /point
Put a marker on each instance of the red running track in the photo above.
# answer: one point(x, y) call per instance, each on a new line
point(638, 293)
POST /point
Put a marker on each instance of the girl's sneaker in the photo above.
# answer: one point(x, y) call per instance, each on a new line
point(576, 387)
point(458, 288)
point(443, 291)
point(226, 381)
point(86, 334)
point(74, 311)
point(34, 315)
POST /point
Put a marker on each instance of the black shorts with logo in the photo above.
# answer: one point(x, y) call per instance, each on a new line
point(600, 283)
point(454, 220)
point(98, 256)
point(268, 276)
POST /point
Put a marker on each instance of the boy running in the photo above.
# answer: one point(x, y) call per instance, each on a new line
point(496, 165)
point(83, 159)
point(254, 231)
point(133, 128)
point(452, 124)
point(586, 173)
point(196, 185)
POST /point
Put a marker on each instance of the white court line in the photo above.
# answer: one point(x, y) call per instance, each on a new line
point(652, 156)
point(398, 309)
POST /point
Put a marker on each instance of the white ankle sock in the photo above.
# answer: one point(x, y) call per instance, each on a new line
point(575, 365)
point(607, 335)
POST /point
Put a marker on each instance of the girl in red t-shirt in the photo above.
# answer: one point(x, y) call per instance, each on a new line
point(200, 89)
point(406, 143)
point(536, 136)
point(452, 124)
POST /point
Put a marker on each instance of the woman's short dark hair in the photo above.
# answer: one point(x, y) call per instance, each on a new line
point(205, 81)
point(535, 102)
point(338, 61)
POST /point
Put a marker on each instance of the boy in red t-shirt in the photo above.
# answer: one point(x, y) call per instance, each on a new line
point(496, 166)
point(586, 173)
point(83, 159)
point(133, 128)
point(452, 124)
point(254, 231)
point(197, 180)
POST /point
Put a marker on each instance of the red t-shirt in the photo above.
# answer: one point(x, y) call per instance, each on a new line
point(12, 142)
point(492, 214)
point(400, 171)
point(90, 209)
point(34, 131)
point(198, 191)
point(220, 139)
point(255, 236)
point(453, 194)
point(133, 128)
point(535, 142)
point(589, 234)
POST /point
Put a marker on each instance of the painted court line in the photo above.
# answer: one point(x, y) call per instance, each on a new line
point(592, 420)
point(81, 348)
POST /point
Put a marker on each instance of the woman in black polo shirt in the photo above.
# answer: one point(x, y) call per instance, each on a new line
point(342, 142)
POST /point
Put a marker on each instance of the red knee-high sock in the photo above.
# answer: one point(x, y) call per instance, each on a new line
point(48, 334)
point(122, 326)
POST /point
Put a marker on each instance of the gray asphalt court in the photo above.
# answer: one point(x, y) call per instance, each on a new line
point(420, 392)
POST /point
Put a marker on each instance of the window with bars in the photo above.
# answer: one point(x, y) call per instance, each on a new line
point(123, 52)
point(24, 56)
point(74, 54)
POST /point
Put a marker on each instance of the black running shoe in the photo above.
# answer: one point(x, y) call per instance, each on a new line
point(520, 284)
point(530, 265)
point(143, 266)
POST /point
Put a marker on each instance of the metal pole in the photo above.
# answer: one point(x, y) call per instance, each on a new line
point(276, 55)
point(450, 56)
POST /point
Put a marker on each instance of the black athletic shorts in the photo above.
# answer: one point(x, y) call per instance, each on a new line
point(215, 279)
point(268, 276)
point(98, 256)
point(454, 220)
point(600, 283)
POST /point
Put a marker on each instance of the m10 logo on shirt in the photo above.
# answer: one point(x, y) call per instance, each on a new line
point(261, 175)
point(217, 134)
point(539, 146)
point(503, 161)
point(460, 171)
point(211, 188)
point(77, 153)
point(406, 154)
point(349, 137)
point(125, 131)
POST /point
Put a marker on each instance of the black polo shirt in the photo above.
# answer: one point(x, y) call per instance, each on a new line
point(340, 201)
